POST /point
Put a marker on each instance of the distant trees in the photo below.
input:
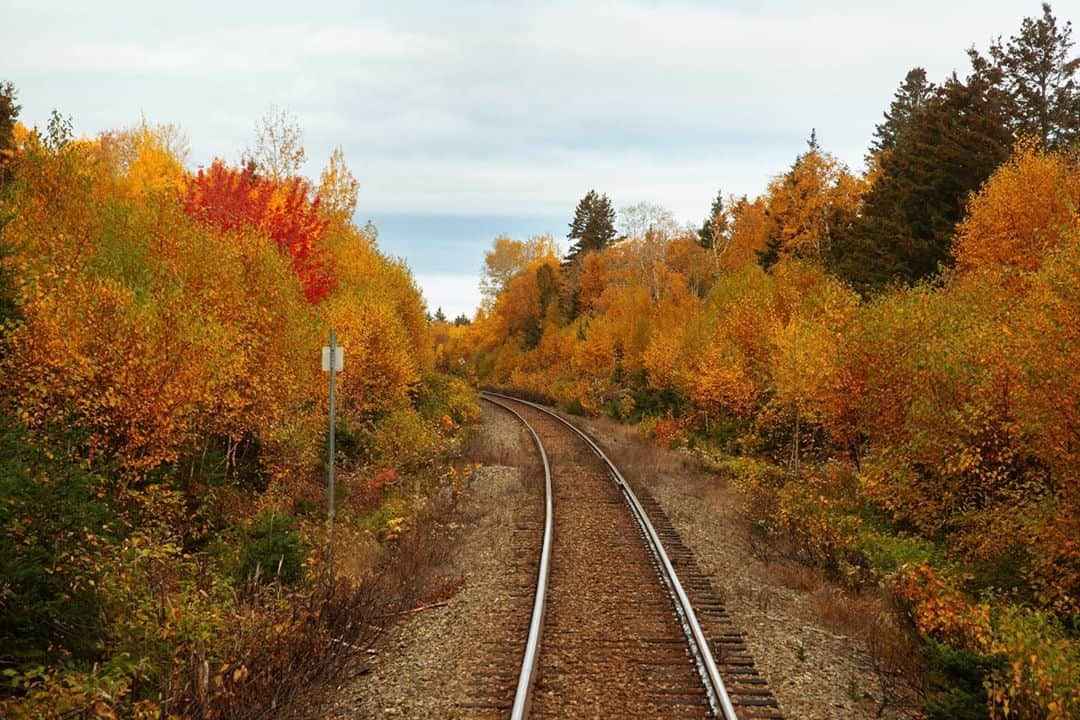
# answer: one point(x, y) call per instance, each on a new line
point(591, 230)
point(648, 231)
point(507, 257)
point(338, 188)
point(9, 114)
point(279, 145)
point(715, 225)
point(441, 317)
point(644, 219)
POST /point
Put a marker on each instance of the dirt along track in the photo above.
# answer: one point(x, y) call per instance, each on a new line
point(612, 645)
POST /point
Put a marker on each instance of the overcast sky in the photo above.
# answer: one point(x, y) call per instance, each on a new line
point(465, 119)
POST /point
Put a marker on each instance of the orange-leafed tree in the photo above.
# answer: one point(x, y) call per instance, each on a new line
point(143, 326)
point(149, 157)
point(338, 189)
point(809, 205)
point(1029, 205)
point(807, 365)
point(748, 235)
point(727, 356)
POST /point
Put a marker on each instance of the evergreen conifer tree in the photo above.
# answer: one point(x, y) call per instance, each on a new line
point(717, 221)
point(593, 226)
point(944, 150)
point(907, 100)
point(9, 114)
point(1038, 72)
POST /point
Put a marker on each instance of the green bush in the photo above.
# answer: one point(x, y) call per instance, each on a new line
point(574, 407)
point(386, 520)
point(958, 682)
point(273, 550)
point(53, 532)
point(402, 439)
point(887, 552)
point(1040, 673)
point(653, 402)
point(438, 395)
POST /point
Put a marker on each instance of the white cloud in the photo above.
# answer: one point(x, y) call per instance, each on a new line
point(488, 107)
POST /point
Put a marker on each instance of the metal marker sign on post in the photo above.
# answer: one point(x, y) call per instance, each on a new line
point(333, 360)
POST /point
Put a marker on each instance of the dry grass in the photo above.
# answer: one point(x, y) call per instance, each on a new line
point(310, 639)
point(490, 450)
point(868, 618)
point(842, 611)
point(496, 443)
point(798, 577)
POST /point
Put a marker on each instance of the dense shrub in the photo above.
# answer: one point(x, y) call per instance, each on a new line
point(175, 319)
point(54, 533)
point(272, 550)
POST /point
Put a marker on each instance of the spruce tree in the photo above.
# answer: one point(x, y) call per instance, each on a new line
point(944, 142)
point(593, 226)
point(716, 222)
point(9, 114)
point(907, 100)
point(770, 255)
point(945, 150)
point(1038, 72)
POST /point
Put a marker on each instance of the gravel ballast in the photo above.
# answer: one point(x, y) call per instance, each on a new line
point(438, 662)
point(816, 669)
point(457, 660)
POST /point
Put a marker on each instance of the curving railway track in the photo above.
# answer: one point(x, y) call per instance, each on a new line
point(623, 622)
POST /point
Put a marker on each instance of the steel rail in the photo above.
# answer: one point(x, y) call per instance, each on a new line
point(529, 661)
point(714, 686)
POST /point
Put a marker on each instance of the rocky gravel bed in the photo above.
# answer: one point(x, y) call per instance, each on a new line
point(791, 617)
point(426, 665)
point(432, 663)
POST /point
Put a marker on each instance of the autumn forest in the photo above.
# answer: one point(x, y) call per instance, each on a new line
point(883, 362)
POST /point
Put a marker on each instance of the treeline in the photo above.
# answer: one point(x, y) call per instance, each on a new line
point(163, 415)
point(887, 362)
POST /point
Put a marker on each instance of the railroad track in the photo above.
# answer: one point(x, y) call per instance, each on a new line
point(624, 624)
